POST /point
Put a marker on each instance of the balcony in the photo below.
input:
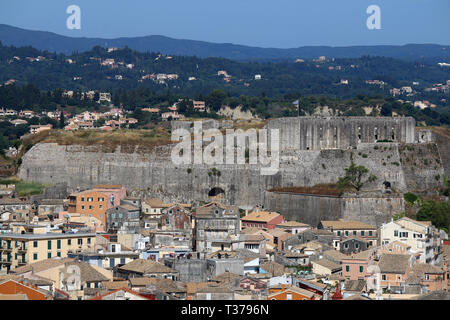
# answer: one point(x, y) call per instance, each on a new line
point(22, 262)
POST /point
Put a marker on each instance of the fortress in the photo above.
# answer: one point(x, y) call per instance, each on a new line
point(313, 150)
point(314, 133)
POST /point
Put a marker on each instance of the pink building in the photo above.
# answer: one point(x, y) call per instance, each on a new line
point(355, 266)
point(114, 193)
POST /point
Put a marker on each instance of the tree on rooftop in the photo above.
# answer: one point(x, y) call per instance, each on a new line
point(355, 178)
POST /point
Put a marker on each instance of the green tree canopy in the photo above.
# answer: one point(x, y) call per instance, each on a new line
point(436, 212)
point(355, 178)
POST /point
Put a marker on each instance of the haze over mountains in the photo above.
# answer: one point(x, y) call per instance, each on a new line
point(53, 42)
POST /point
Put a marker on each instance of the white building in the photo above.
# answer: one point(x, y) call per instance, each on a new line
point(423, 238)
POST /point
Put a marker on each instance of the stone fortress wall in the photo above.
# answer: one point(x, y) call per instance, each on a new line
point(318, 133)
point(313, 151)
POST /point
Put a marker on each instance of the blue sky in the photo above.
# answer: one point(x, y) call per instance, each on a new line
point(264, 23)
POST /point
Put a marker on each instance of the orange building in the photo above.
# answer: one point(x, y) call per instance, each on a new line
point(12, 287)
point(430, 276)
point(394, 269)
point(90, 204)
point(288, 292)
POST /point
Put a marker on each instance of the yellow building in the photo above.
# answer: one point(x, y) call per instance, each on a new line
point(21, 249)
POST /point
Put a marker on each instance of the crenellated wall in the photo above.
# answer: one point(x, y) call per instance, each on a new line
point(316, 133)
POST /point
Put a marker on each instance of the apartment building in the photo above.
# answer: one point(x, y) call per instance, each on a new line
point(21, 249)
point(90, 204)
point(349, 228)
point(217, 227)
point(424, 239)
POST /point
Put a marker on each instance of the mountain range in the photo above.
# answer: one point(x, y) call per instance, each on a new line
point(53, 42)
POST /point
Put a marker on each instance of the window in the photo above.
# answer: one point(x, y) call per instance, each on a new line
point(338, 233)
point(396, 233)
point(49, 255)
point(354, 233)
point(289, 296)
point(49, 244)
point(346, 233)
point(35, 256)
point(58, 254)
point(356, 245)
point(35, 244)
point(347, 268)
point(82, 199)
point(362, 233)
point(383, 277)
point(80, 241)
point(89, 240)
point(346, 246)
point(370, 233)
point(90, 199)
point(361, 269)
point(90, 207)
point(69, 242)
point(58, 244)
point(101, 199)
point(82, 207)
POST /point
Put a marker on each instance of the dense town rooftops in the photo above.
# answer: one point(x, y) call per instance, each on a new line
point(42, 265)
point(115, 285)
point(292, 224)
point(260, 216)
point(288, 288)
point(406, 219)
point(112, 293)
point(335, 255)
point(340, 225)
point(146, 266)
point(328, 264)
point(425, 268)
point(394, 263)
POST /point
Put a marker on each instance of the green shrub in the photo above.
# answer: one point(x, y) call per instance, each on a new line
point(410, 198)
